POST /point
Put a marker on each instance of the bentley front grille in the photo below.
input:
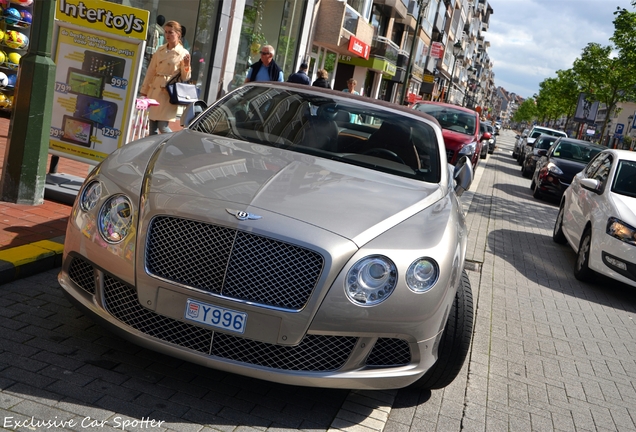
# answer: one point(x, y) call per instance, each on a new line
point(82, 274)
point(315, 353)
point(121, 301)
point(232, 263)
point(390, 352)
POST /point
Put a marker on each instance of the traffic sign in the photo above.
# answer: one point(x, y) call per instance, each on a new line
point(619, 129)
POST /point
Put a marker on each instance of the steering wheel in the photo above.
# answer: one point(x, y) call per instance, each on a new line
point(383, 153)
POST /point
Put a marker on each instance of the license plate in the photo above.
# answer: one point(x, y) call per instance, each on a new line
point(226, 319)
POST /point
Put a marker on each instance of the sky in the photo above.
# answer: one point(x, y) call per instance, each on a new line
point(531, 39)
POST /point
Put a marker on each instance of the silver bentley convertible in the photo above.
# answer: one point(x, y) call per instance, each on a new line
point(288, 233)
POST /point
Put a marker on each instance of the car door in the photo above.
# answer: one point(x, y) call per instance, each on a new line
point(585, 203)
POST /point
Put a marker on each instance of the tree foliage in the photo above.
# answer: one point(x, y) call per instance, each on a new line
point(604, 73)
point(526, 112)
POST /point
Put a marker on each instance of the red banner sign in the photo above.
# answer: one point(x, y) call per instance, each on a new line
point(358, 47)
point(437, 50)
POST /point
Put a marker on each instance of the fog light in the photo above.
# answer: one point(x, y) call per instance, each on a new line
point(616, 263)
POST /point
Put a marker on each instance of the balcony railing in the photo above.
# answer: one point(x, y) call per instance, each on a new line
point(384, 47)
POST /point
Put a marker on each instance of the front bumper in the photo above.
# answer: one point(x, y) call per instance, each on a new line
point(353, 361)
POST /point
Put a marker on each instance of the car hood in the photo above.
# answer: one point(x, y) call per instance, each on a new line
point(530, 141)
point(338, 197)
point(456, 140)
point(570, 168)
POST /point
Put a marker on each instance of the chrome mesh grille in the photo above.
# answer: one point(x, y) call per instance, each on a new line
point(188, 252)
point(232, 263)
point(121, 301)
point(82, 274)
point(389, 352)
point(314, 353)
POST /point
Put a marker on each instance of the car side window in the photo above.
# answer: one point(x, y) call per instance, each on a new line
point(591, 167)
point(603, 170)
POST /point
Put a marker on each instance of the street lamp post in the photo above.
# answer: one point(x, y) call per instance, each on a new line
point(457, 48)
point(422, 4)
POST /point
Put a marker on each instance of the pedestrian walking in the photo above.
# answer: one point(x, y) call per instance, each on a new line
point(300, 77)
point(322, 80)
point(169, 59)
point(266, 68)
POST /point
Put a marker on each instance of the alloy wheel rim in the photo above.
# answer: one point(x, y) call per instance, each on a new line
point(583, 250)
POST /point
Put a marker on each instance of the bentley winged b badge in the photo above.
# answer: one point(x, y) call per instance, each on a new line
point(243, 215)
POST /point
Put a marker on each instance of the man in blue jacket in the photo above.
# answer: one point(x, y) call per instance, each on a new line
point(266, 68)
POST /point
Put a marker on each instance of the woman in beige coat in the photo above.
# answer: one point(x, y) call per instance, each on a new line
point(166, 62)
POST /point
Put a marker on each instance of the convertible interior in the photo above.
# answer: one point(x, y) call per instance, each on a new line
point(354, 133)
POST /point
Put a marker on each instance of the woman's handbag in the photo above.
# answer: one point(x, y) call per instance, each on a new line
point(181, 93)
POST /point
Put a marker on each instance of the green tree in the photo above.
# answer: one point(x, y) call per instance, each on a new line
point(526, 112)
point(604, 78)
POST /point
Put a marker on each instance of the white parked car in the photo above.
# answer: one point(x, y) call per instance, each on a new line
point(597, 217)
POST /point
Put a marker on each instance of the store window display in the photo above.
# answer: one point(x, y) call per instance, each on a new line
point(274, 23)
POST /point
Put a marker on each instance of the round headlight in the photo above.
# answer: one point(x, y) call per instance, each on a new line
point(422, 275)
point(371, 280)
point(90, 196)
point(115, 219)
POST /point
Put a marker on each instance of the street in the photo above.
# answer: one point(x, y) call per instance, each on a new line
point(548, 352)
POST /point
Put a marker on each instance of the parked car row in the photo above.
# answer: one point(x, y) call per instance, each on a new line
point(526, 142)
point(597, 217)
point(596, 191)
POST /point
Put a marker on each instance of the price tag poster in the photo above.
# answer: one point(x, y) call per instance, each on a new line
point(92, 92)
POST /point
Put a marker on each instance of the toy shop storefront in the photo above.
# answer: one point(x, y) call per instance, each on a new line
point(223, 45)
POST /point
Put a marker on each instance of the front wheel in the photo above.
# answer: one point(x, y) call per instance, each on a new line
point(455, 341)
point(557, 232)
point(536, 192)
point(582, 271)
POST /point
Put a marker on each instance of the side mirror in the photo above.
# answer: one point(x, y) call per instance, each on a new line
point(191, 112)
point(542, 152)
point(591, 185)
point(518, 136)
point(463, 175)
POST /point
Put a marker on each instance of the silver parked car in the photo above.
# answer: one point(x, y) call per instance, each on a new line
point(288, 233)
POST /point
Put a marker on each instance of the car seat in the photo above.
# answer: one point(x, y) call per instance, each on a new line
point(397, 139)
point(319, 131)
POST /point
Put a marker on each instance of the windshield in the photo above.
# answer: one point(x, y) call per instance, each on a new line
point(625, 179)
point(548, 132)
point(576, 152)
point(450, 118)
point(357, 133)
point(544, 143)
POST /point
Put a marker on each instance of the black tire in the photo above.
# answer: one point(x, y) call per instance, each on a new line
point(514, 155)
point(532, 184)
point(557, 232)
point(525, 172)
point(519, 160)
point(536, 192)
point(484, 152)
point(582, 271)
point(455, 341)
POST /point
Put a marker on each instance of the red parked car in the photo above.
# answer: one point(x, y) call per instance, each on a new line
point(460, 127)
